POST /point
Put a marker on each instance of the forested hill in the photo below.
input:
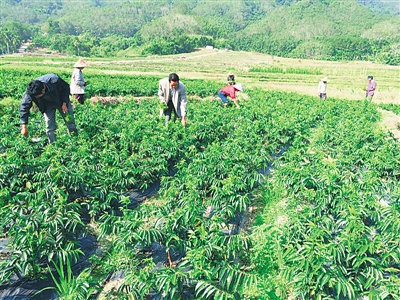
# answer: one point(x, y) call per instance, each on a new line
point(317, 29)
point(383, 6)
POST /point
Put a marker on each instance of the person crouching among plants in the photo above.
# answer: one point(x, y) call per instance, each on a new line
point(230, 91)
point(50, 93)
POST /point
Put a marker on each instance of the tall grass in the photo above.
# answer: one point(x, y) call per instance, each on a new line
point(285, 70)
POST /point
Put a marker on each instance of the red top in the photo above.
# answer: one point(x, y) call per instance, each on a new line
point(230, 91)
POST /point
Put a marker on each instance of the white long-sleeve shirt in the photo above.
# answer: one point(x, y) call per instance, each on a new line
point(77, 85)
point(322, 87)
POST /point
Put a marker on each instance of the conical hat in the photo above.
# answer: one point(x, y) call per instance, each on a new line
point(239, 87)
point(80, 64)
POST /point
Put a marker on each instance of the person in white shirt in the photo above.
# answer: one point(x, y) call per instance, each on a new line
point(322, 86)
point(172, 94)
point(78, 82)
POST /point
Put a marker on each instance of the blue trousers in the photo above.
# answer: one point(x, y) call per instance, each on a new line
point(223, 97)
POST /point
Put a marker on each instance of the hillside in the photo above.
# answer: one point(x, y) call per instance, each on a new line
point(321, 30)
point(299, 29)
point(383, 6)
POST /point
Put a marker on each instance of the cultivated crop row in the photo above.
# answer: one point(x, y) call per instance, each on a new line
point(336, 234)
point(195, 238)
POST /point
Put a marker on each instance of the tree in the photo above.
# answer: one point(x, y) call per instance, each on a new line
point(12, 35)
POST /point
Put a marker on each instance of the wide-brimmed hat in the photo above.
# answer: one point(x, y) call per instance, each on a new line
point(80, 64)
point(238, 87)
point(325, 79)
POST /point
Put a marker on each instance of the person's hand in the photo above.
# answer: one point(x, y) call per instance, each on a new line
point(64, 108)
point(183, 121)
point(24, 130)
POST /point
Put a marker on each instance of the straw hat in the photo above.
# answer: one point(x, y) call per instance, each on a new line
point(238, 87)
point(325, 79)
point(80, 64)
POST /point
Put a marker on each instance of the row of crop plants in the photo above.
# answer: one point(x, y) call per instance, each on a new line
point(395, 108)
point(330, 229)
point(45, 191)
point(327, 183)
point(14, 81)
point(223, 173)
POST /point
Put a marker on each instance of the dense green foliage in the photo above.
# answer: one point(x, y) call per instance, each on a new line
point(323, 30)
point(301, 29)
point(335, 235)
point(392, 107)
point(117, 85)
point(384, 6)
point(12, 35)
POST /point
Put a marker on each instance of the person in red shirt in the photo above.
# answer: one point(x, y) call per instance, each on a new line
point(230, 91)
point(371, 86)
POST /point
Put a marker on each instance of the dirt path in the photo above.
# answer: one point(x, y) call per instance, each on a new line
point(390, 121)
point(24, 46)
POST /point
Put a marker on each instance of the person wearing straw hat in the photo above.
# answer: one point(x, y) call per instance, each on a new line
point(371, 86)
point(78, 82)
point(322, 87)
point(230, 91)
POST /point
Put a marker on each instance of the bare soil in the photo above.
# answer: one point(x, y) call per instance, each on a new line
point(391, 121)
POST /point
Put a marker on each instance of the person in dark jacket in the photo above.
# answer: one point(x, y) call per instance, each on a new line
point(50, 93)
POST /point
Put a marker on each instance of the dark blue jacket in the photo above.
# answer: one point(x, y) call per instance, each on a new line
point(56, 93)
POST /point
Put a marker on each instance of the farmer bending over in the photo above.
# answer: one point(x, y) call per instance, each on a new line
point(50, 93)
point(172, 93)
point(230, 90)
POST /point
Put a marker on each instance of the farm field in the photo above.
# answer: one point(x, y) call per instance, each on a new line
point(346, 80)
point(288, 197)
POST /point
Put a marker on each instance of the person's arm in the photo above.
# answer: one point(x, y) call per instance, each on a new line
point(64, 108)
point(24, 130)
point(183, 104)
point(78, 78)
point(63, 91)
point(161, 92)
point(183, 121)
point(24, 108)
point(234, 99)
